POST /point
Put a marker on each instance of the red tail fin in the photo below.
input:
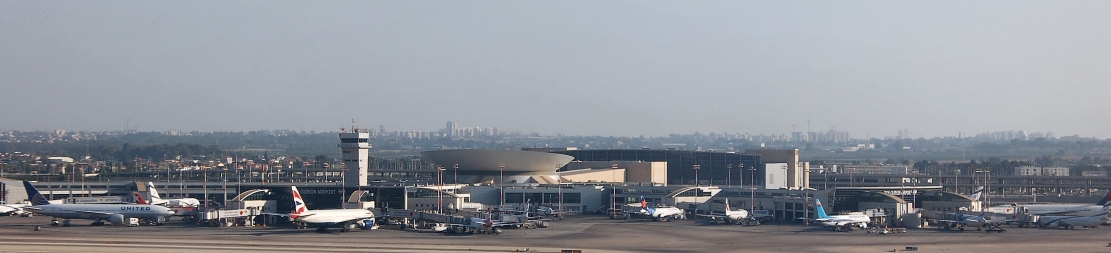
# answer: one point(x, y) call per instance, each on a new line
point(299, 204)
point(139, 199)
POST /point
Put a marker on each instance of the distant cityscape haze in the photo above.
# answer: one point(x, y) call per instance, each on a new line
point(610, 68)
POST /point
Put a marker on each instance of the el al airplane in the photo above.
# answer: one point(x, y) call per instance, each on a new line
point(844, 222)
point(322, 219)
point(736, 217)
point(1056, 209)
point(1073, 221)
point(155, 199)
point(113, 213)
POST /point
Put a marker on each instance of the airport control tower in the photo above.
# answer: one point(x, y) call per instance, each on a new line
point(356, 149)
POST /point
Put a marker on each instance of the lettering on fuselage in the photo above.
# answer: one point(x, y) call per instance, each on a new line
point(134, 208)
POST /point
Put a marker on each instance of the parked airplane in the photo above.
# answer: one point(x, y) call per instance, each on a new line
point(485, 225)
point(1055, 209)
point(1070, 222)
point(735, 217)
point(155, 199)
point(977, 193)
point(13, 209)
point(844, 222)
point(115, 214)
point(322, 219)
point(661, 213)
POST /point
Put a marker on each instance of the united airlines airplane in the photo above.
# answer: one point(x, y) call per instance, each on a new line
point(115, 214)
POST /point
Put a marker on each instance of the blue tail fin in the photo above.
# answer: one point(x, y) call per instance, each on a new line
point(36, 198)
point(1103, 201)
point(821, 211)
point(977, 193)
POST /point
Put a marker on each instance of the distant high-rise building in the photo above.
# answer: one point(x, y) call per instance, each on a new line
point(452, 129)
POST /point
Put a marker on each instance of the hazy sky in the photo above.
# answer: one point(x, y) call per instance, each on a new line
point(623, 68)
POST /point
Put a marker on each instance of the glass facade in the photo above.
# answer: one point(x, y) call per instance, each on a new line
point(542, 198)
point(718, 168)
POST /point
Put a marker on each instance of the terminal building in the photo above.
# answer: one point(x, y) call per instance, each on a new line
point(576, 181)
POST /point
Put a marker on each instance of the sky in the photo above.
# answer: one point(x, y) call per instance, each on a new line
point(607, 68)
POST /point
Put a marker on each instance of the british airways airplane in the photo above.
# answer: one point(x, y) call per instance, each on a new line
point(115, 214)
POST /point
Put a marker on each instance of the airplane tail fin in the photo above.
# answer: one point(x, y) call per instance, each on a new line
point(977, 193)
point(299, 204)
point(1105, 200)
point(727, 206)
point(821, 211)
point(140, 200)
point(36, 198)
point(154, 197)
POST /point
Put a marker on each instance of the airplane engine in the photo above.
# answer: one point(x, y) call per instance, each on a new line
point(360, 223)
point(116, 219)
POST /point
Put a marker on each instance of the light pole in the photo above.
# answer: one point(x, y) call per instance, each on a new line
point(205, 171)
point(752, 189)
point(440, 188)
point(455, 169)
point(501, 184)
point(225, 175)
point(613, 172)
point(696, 189)
point(729, 176)
point(696, 168)
point(559, 190)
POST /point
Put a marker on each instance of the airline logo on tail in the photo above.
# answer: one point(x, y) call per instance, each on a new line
point(139, 199)
point(299, 204)
point(153, 192)
point(1105, 200)
point(36, 198)
point(727, 205)
point(821, 211)
point(976, 194)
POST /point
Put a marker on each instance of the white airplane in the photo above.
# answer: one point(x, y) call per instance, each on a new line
point(736, 217)
point(1055, 209)
point(977, 193)
point(155, 199)
point(1070, 222)
point(13, 209)
point(115, 214)
point(977, 221)
point(844, 222)
point(667, 213)
point(322, 219)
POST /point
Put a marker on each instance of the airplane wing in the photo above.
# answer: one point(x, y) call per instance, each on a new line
point(282, 214)
point(344, 220)
point(99, 214)
point(713, 216)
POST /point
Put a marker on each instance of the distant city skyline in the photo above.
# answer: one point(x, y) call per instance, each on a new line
point(472, 131)
point(600, 68)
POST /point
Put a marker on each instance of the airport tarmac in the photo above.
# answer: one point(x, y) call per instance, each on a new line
point(587, 233)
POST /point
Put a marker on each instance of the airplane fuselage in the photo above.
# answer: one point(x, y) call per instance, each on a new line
point(99, 211)
point(333, 216)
